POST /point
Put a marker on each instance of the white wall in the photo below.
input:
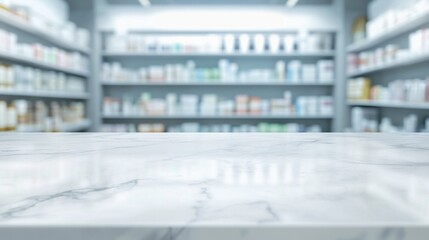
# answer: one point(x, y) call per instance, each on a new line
point(53, 10)
point(197, 18)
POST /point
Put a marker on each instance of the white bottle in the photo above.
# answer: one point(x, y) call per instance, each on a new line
point(22, 113)
point(10, 78)
point(302, 42)
point(281, 70)
point(386, 125)
point(410, 123)
point(214, 43)
point(309, 73)
point(233, 72)
point(11, 118)
point(326, 71)
point(223, 69)
point(357, 119)
point(288, 98)
point(313, 105)
point(171, 104)
point(326, 105)
point(289, 43)
point(3, 77)
point(190, 66)
point(229, 42)
point(259, 42)
point(3, 111)
point(244, 43)
point(294, 71)
point(274, 43)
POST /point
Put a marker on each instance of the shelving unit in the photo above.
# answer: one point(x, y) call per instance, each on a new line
point(396, 64)
point(214, 87)
point(41, 65)
point(411, 67)
point(35, 34)
point(414, 23)
point(23, 26)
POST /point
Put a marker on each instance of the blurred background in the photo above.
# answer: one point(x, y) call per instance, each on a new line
point(214, 66)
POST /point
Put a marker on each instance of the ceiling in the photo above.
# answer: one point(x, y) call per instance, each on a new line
point(220, 2)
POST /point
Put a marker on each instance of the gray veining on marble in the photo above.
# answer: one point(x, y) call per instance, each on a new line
point(214, 186)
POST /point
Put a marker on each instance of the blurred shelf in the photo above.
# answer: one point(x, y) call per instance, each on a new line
point(415, 23)
point(266, 55)
point(202, 117)
point(370, 103)
point(39, 94)
point(206, 31)
point(399, 63)
point(21, 25)
point(32, 62)
point(274, 84)
point(69, 127)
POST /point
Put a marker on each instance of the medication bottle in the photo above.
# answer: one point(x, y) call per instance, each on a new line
point(3, 111)
point(11, 118)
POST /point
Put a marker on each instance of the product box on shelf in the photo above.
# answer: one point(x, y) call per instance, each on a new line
point(309, 73)
point(389, 54)
point(364, 119)
point(27, 79)
point(38, 116)
point(387, 15)
point(65, 31)
point(359, 89)
point(326, 70)
point(37, 52)
point(406, 91)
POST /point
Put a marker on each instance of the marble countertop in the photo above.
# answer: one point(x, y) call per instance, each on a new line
point(221, 186)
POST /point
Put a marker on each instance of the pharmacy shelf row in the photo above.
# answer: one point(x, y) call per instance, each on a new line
point(416, 22)
point(395, 64)
point(221, 54)
point(203, 117)
point(69, 127)
point(40, 94)
point(220, 83)
point(34, 63)
point(26, 27)
point(247, 59)
point(381, 104)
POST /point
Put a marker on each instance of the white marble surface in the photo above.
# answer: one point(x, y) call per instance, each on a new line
point(214, 186)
